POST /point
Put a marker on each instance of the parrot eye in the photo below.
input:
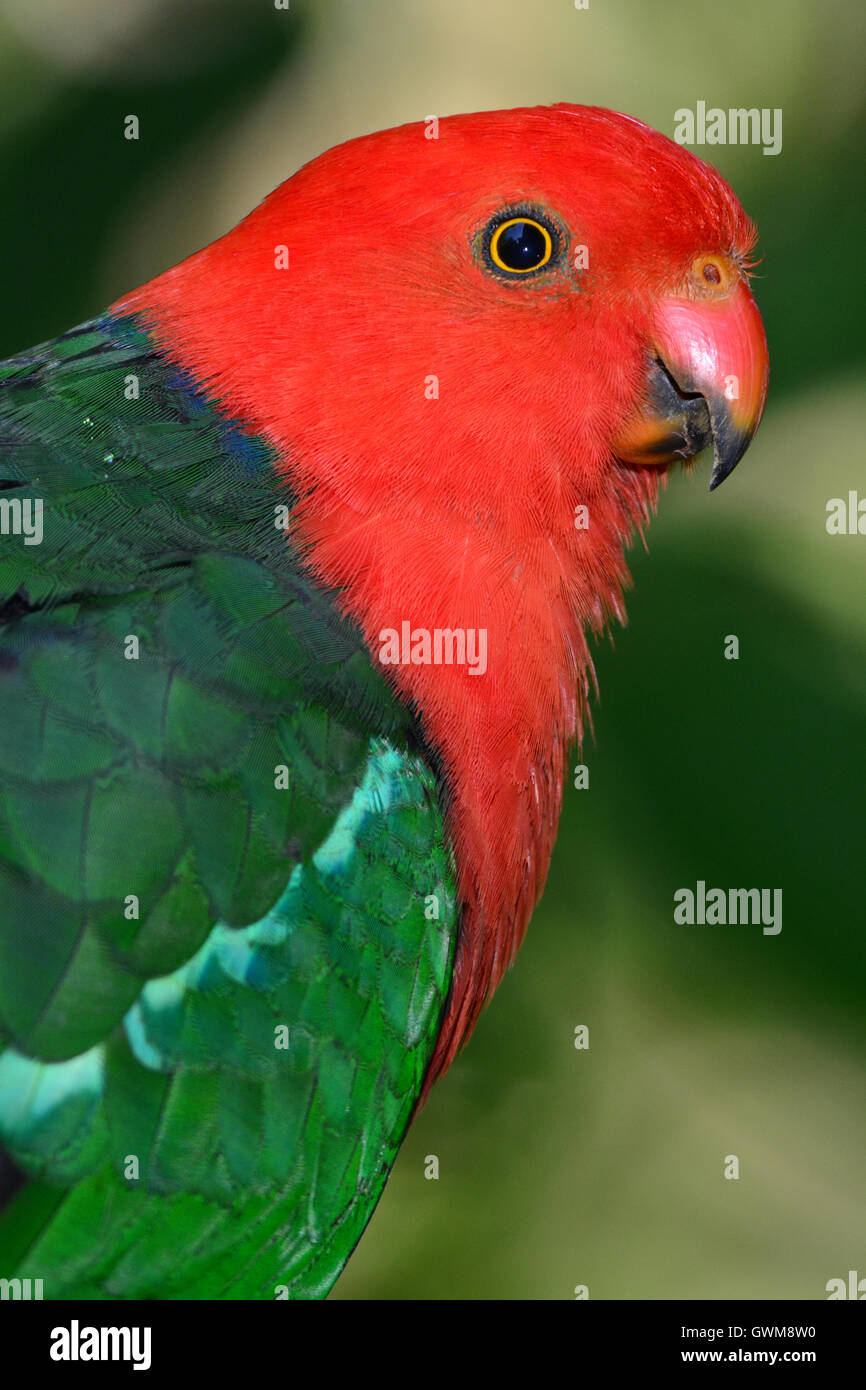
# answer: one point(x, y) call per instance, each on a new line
point(519, 244)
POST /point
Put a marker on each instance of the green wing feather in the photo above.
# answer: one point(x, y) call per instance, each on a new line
point(227, 905)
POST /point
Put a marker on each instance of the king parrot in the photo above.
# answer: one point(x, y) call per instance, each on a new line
point(303, 544)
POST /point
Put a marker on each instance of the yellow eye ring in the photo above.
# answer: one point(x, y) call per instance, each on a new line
point(520, 245)
point(712, 274)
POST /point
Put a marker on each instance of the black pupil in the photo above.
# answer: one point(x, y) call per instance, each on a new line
point(522, 246)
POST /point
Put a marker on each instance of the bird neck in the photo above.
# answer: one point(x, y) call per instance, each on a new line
point(480, 624)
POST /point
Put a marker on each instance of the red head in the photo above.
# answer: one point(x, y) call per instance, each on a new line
point(455, 344)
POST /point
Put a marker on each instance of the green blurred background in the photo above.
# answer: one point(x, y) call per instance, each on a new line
point(561, 1167)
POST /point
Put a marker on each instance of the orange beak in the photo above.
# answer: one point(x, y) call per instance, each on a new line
point(706, 382)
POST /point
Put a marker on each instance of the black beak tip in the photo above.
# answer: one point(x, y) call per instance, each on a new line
point(725, 461)
point(718, 475)
point(729, 444)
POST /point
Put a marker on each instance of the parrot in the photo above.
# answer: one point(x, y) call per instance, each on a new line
point(303, 547)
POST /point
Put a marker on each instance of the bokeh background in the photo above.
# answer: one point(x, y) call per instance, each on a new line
point(561, 1167)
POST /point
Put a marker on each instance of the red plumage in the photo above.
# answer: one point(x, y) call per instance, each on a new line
point(460, 511)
